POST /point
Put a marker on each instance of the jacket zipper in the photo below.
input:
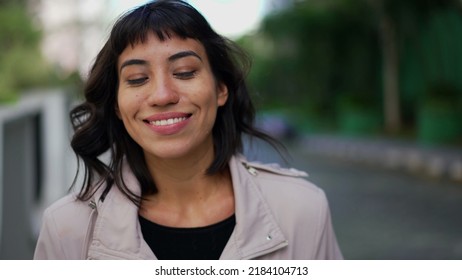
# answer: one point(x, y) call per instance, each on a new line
point(90, 229)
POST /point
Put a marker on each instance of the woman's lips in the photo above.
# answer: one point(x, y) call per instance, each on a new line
point(168, 123)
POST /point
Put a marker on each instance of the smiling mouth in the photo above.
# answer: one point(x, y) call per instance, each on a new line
point(169, 121)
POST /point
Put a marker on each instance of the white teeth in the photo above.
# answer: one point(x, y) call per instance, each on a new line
point(167, 122)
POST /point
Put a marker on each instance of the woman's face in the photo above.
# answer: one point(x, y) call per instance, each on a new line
point(168, 97)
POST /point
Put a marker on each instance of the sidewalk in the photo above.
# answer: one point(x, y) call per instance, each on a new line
point(434, 162)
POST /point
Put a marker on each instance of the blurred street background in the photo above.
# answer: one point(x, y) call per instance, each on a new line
point(366, 94)
point(380, 212)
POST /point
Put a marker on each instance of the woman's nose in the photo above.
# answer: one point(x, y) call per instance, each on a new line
point(162, 93)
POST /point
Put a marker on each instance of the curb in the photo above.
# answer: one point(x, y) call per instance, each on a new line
point(435, 162)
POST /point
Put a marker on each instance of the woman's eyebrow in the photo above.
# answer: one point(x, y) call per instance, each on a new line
point(183, 54)
point(132, 62)
point(171, 58)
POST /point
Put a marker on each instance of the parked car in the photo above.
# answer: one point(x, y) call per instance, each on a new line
point(276, 125)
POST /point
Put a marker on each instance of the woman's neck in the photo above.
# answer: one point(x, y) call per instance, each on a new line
point(187, 195)
point(180, 174)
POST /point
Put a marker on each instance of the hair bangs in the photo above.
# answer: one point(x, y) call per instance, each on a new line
point(135, 26)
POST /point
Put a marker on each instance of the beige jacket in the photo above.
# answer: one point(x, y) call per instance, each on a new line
point(279, 215)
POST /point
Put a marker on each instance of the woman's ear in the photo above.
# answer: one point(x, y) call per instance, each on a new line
point(222, 94)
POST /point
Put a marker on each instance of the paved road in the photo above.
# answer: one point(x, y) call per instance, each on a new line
point(384, 214)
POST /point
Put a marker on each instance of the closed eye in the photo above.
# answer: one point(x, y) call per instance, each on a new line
point(137, 82)
point(185, 75)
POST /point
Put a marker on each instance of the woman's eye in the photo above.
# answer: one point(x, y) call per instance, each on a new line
point(138, 81)
point(185, 75)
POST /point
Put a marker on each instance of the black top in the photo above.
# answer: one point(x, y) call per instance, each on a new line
point(200, 243)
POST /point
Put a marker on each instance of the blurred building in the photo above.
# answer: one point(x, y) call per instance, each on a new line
point(75, 30)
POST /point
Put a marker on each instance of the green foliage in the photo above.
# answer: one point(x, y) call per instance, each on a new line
point(21, 62)
point(323, 59)
point(307, 56)
point(16, 27)
point(431, 65)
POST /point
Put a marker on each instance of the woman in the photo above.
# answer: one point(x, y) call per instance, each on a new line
point(166, 98)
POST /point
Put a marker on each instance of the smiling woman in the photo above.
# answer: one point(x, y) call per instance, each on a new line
point(167, 99)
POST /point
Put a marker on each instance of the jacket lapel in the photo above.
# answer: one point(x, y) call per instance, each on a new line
point(256, 232)
point(117, 232)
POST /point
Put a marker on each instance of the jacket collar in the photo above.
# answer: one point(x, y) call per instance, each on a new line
point(117, 233)
point(256, 232)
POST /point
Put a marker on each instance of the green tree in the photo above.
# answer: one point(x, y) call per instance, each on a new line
point(315, 55)
point(320, 56)
point(21, 63)
point(399, 24)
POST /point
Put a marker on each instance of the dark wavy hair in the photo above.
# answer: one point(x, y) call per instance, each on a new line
point(97, 128)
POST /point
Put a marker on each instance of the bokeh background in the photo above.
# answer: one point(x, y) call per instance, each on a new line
point(366, 95)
